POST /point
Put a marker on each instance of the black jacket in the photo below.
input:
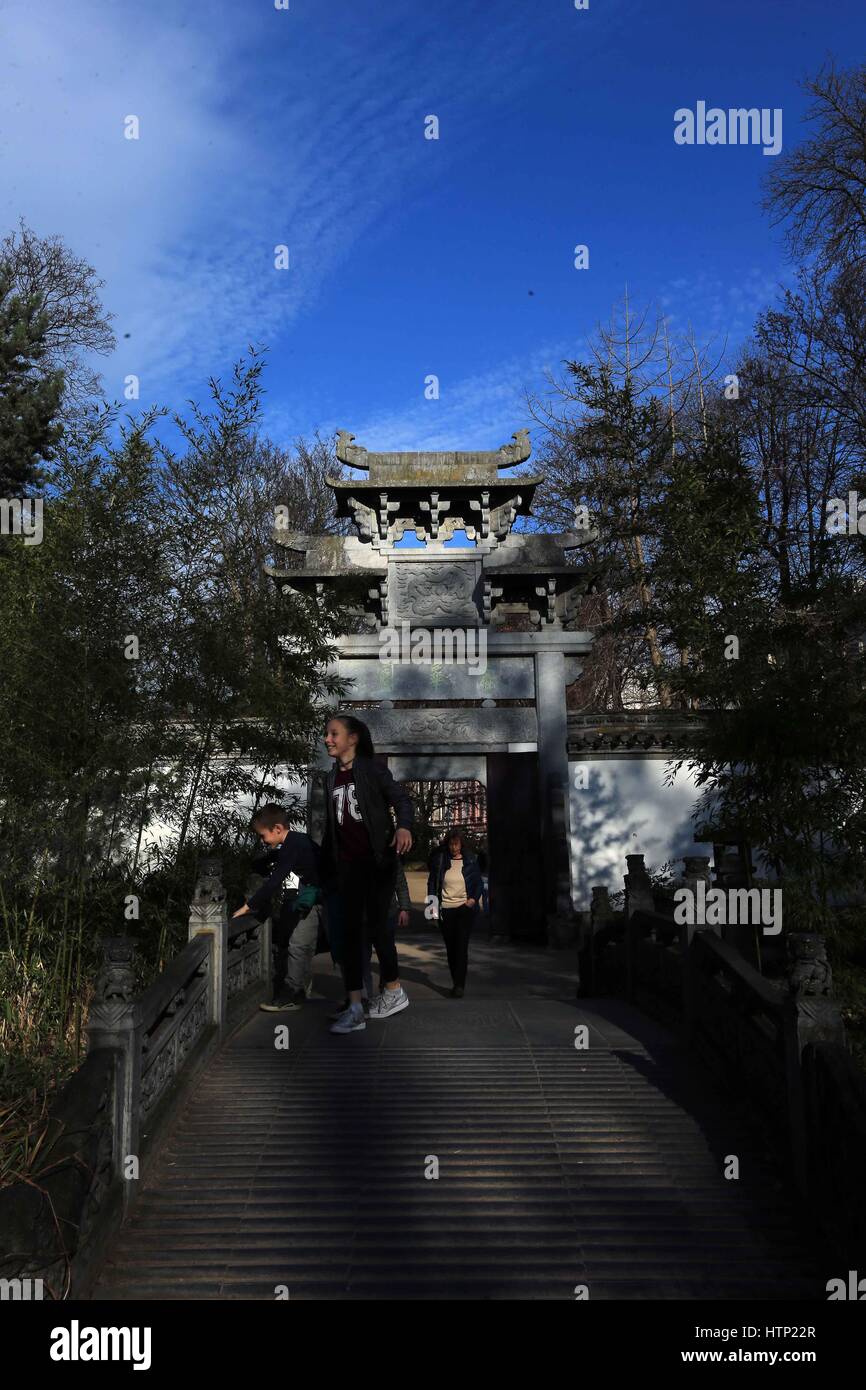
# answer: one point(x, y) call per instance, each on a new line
point(298, 854)
point(401, 889)
point(375, 792)
point(440, 863)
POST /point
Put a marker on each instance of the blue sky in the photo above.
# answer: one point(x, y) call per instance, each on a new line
point(408, 256)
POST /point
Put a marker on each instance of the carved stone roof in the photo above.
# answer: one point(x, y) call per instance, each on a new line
point(630, 731)
point(452, 466)
point(328, 555)
point(436, 495)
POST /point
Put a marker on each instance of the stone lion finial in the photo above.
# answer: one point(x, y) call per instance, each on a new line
point(209, 887)
point(116, 980)
point(809, 969)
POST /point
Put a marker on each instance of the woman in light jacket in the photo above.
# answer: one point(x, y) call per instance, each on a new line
point(454, 884)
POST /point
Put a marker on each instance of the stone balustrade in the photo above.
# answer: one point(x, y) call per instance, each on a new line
point(778, 1045)
point(144, 1053)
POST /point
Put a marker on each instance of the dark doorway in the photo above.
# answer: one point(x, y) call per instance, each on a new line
point(514, 845)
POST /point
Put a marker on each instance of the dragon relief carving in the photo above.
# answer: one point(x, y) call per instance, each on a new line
point(455, 725)
point(437, 590)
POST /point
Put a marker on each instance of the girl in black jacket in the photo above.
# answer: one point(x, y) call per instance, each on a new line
point(359, 851)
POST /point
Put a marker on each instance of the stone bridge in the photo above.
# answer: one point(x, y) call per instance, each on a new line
point(523, 1142)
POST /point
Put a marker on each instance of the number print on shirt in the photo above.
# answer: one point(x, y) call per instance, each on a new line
point(340, 800)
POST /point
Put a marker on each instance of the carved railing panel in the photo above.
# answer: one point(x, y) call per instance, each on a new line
point(245, 961)
point(168, 1039)
point(157, 1034)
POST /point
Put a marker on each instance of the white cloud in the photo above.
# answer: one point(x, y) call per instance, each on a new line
point(257, 128)
point(719, 308)
point(473, 413)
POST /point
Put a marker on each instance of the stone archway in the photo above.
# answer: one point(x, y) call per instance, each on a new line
point(487, 694)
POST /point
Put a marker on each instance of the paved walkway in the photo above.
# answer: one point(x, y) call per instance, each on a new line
point(557, 1167)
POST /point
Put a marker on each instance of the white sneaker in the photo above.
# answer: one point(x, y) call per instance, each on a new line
point(351, 1020)
point(389, 1002)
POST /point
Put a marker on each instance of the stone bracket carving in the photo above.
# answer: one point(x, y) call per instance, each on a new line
point(503, 517)
point(435, 507)
point(363, 518)
point(482, 505)
point(547, 592)
point(386, 512)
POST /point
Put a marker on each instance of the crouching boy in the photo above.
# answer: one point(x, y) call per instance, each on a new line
point(291, 861)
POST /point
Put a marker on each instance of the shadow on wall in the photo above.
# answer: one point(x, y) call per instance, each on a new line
point(625, 808)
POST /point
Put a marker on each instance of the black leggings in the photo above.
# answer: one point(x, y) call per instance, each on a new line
point(456, 926)
point(365, 891)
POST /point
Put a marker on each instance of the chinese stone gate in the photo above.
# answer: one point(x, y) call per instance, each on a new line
point(497, 713)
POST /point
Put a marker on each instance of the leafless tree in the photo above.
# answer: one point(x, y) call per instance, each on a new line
point(819, 187)
point(78, 324)
point(607, 425)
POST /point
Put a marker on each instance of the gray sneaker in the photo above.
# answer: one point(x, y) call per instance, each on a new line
point(352, 1020)
point(389, 1002)
point(341, 1009)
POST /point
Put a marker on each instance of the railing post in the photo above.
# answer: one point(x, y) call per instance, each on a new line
point(266, 964)
point(208, 916)
point(638, 886)
point(691, 983)
point(600, 917)
point(734, 870)
point(810, 1016)
point(601, 911)
point(113, 1023)
point(638, 898)
point(266, 930)
point(696, 867)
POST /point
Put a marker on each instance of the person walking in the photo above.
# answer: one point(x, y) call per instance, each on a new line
point(360, 850)
point(454, 884)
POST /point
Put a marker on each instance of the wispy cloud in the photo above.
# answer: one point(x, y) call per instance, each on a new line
point(470, 413)
point(261, 127)
point(720, 309)
point(254, 131)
